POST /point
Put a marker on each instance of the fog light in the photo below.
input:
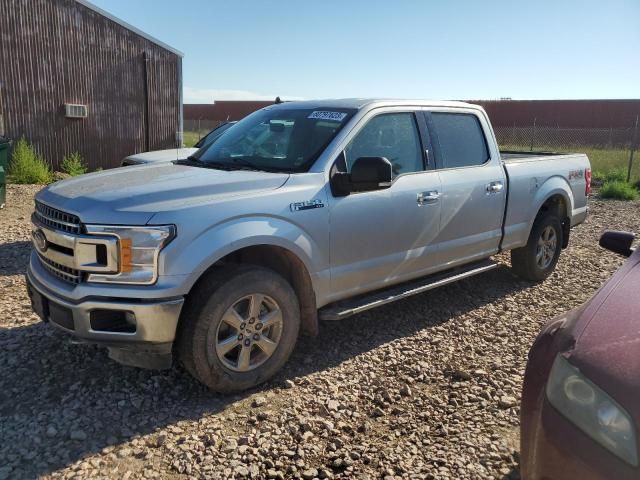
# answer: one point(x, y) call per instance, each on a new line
point(112, 321)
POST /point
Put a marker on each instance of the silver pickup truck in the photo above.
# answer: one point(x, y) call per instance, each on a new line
point(299, 212)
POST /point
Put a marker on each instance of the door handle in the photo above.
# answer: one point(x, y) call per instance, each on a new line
point(494, 187)
point(424, 198)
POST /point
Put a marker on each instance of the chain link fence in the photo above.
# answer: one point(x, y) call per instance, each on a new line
point(560, 139)
point(607, 148)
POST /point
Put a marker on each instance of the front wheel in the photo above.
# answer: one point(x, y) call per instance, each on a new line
point(538, 258)
point(239, 328)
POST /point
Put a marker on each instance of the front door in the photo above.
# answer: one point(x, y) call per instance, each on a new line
point(382, 237)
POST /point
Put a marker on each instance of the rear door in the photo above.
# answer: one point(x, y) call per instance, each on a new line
point(473, 186)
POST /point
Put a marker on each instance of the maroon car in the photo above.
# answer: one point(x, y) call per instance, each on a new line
point(581, 396)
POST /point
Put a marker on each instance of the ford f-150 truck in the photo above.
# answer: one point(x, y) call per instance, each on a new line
point(302, 211)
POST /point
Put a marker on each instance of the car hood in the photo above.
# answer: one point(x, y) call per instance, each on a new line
point(607, 346)
point(162, 155)
point(132, 195)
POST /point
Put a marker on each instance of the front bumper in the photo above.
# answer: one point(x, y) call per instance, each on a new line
point(147, 340)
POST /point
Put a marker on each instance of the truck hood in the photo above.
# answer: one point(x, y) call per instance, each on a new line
point(132, 195)
point(162, 155)
point(607, 347)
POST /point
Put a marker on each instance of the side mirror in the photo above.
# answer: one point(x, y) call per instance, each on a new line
point(618, 242)
point(370, 173)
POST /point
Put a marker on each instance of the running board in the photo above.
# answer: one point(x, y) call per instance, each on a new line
point(346, 308)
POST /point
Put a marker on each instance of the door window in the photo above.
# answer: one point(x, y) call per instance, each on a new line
point(461, 140)
point(393, 136)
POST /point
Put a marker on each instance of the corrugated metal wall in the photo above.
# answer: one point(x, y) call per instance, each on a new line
point(223, 110)
point(54, 52)
point(563, 113)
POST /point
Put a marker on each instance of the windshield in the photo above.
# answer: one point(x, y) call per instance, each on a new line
point(213, 135)
point(276, 139)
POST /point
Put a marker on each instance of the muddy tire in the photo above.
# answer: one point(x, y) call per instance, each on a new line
point(238, 328)
point(538, 258)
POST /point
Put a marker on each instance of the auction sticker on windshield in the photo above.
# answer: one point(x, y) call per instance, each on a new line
point(321, 115)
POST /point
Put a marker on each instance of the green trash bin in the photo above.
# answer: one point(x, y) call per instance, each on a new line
point(4, 166)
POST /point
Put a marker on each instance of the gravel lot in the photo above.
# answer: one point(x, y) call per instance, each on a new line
point(425, 388)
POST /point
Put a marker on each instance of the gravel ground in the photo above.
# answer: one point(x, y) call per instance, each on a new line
point(425, 388)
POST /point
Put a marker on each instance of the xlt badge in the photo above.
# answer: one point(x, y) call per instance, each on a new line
point(306, 205)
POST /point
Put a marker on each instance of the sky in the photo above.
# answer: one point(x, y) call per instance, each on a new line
point(448, 49)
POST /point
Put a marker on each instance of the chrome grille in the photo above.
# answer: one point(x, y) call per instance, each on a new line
point(67, 274)
point(57, 219)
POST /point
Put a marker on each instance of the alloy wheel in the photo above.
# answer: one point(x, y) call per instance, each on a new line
point(249, 332)
point(546, 248)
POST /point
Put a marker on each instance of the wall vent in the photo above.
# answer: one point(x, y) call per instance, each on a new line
point(72, 110)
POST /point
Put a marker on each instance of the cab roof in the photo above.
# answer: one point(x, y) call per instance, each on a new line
point(360, 103)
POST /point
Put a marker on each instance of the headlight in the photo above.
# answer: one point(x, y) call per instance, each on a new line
point(138, 250)
point(591, 410)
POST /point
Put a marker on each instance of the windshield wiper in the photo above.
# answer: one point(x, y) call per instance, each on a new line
point(250, 165)
point(196, 162)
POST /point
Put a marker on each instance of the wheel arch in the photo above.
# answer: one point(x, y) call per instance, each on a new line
point(284, 262)
point(555, 197)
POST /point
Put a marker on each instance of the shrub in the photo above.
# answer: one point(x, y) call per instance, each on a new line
point(73, 164)
point(619, 191)
point(615, 175)
point(27, 166)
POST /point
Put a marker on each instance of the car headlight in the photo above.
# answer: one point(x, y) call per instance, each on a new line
point(138, 250)
point(591, 410)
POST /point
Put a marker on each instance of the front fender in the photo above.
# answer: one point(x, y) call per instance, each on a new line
point(214, 243)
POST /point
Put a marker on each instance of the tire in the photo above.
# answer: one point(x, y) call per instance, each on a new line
point(534, 264)
point(219, 318)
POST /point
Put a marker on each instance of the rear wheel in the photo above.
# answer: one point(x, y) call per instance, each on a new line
point(239, 328)
point(538, 258)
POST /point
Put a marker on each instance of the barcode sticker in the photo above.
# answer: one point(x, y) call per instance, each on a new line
point(321, 115)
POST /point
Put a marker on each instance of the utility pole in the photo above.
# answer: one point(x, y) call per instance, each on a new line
point(633, 147)
point(533, 136)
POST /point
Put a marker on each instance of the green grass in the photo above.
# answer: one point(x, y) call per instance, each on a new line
point(618, 191)
point(26, 166)
point(191, 138)
point(73, 164)
point(605, 162)
point(615, 174)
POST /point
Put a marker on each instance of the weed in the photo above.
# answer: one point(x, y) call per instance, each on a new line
point(618, 191)
point(73, 164)
point(27, 166)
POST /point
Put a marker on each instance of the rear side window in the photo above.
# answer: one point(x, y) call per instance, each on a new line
point(461, 140)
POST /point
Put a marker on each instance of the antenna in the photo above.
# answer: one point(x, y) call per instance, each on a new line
point(178, 144)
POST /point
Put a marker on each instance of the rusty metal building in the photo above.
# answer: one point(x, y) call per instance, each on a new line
point(200, 117)
point(75, 78)
point(565, 113)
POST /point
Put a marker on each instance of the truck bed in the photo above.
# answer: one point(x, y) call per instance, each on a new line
point(531, 176)
point(510, 156)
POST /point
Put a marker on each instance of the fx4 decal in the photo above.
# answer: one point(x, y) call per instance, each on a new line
point(306, 205)
point(575, 174)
